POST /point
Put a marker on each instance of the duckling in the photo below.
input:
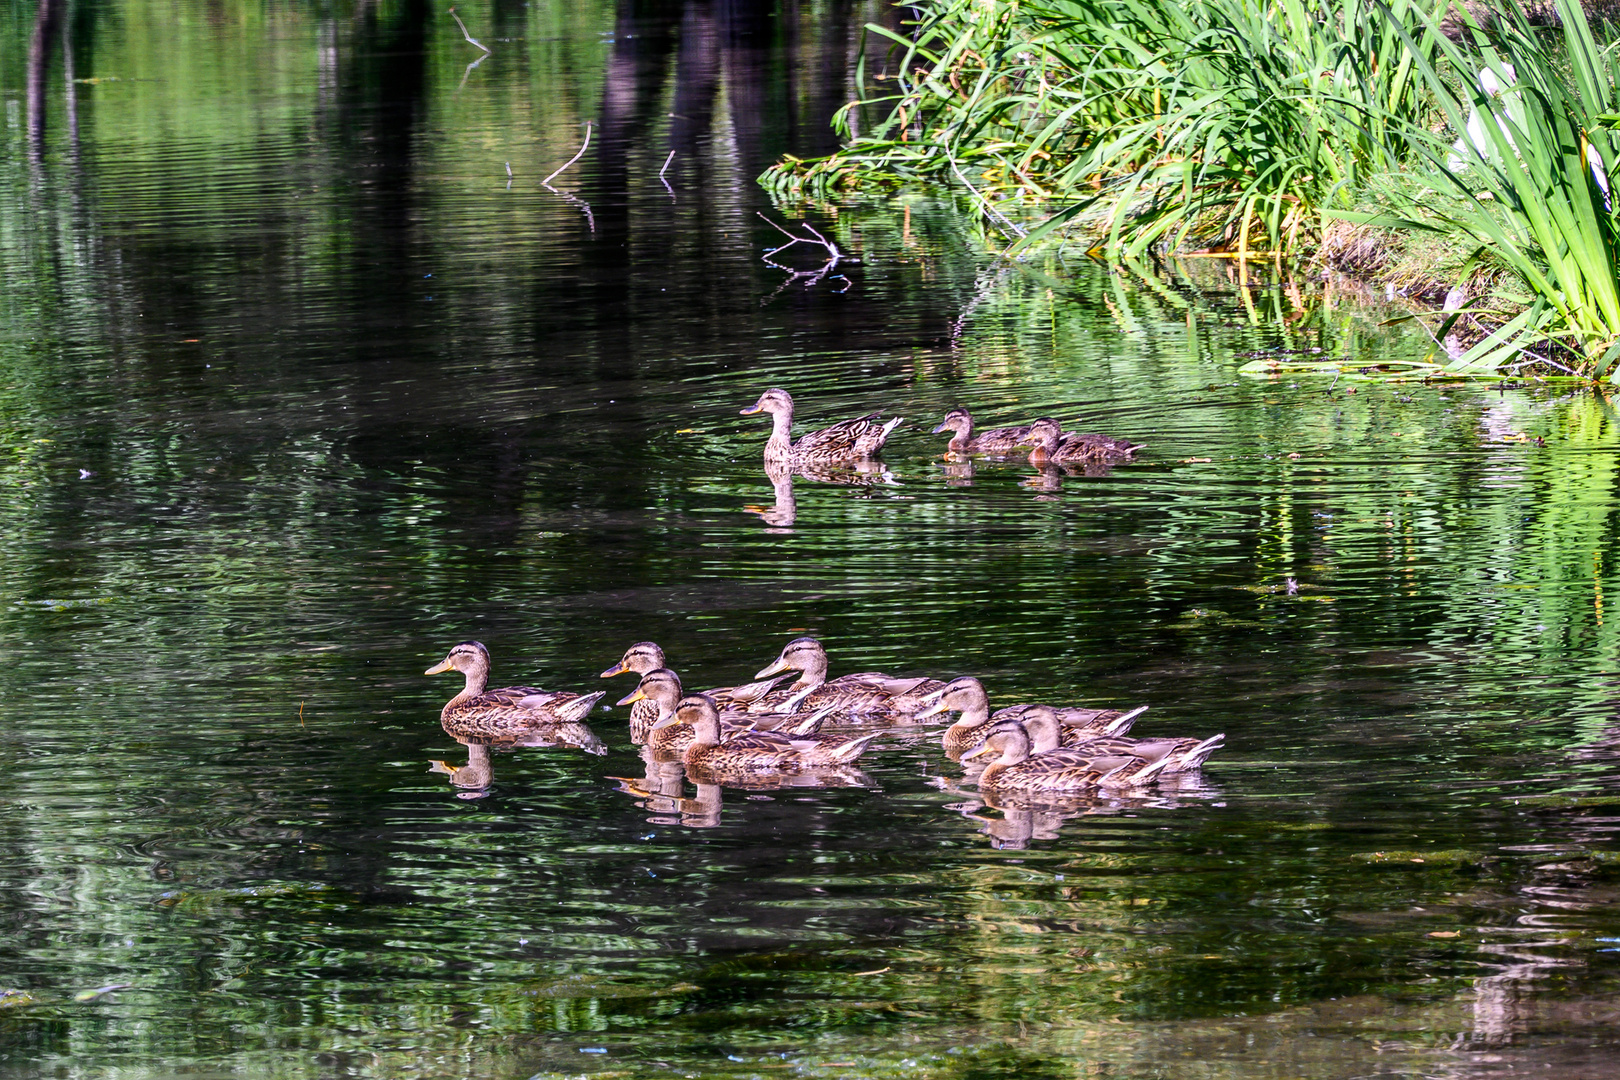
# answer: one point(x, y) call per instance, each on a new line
point(1047, 735)
point(646, 656)
point(966, 695)
point(865, 697)
point(1002, 440)
point(754, 751)
point(512, 714)
point(1058, 771)
point(846, 441)
point(662, 690)
point(1049, 442)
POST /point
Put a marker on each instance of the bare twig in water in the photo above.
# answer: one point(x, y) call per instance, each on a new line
point(547, 181)
point(810, 277)
point(470, 39)
point(665, 169)
point(1001, 220)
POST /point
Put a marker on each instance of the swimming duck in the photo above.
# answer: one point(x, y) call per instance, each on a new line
point(966, 695)
point(865, 697)
point(1002, 440)
point(1059, 771)
point(1047, 734)
point(512, 714)
point(1049, 442)
point(845, 441)
point(754, 751)
point(662, 690)
point(646, 656)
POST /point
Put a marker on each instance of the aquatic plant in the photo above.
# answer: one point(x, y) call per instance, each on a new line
point(1527, 182)
point(1229, 122)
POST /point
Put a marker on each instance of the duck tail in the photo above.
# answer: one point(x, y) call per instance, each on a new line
point(851, 749)
point(1195, 757)
point(1124, 722)
point(810, 724)
point(575, 711)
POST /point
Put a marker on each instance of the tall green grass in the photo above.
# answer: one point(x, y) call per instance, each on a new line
point(1226, 122)
point(1533, 197)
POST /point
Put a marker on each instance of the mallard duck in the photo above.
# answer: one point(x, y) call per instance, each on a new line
point(1047, 734)
point(865, 697)
point(512, 714)
point(1001, 440)
point(846, 441)
point(1049, 442)
point(662, 690)
point(646, 656)
point(1059, 771)
point(754, 751)
point(966, 695)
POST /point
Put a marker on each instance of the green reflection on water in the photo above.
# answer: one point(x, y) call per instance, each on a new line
point(253, 480)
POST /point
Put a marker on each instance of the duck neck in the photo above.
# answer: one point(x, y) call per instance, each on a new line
point(706, 731)
point(813, 675)
point(477, 679)
point(974, 715)
point(780, 444)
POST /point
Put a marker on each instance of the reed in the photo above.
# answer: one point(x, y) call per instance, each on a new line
point(1526, 183)
point(1221, 122)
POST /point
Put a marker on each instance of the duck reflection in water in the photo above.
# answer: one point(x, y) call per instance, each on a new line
point(784, 511)
point(662, 789)
point(474, 778)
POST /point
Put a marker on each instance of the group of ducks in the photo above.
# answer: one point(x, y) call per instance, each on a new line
point(765, 728)
point(850, 442)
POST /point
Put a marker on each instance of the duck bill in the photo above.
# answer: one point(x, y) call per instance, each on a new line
point(935, 695)
point(441, 666)
point(668, 721)
point(982, 748)
point(751, 410)
point(616, 669)
point(631, 699)
point(939, 429)
point(935, 709)
point(776, 667)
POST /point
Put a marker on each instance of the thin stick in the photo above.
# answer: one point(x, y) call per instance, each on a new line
point(576, 157)
point(665, 169)
point(469, 37)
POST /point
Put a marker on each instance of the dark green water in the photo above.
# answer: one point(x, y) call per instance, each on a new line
point(298, 391)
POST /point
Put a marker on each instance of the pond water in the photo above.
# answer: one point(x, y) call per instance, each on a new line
point(302, 386)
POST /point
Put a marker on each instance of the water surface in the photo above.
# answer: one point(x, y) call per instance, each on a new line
point(302, 387)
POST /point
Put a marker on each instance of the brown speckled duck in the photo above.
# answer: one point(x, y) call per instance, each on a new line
point(966, 695)
point(1047, 734)
point(1049, 442)
point(1002, 440)
point(512, 714)
point(1060, 771)
point(844, 442)
point(865, 697)
point(754, 751)
point(662, 690)
point(646, 656)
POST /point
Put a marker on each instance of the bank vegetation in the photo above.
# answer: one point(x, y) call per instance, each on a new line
point(1458, 152)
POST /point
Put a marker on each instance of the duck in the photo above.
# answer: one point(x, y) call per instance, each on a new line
point(754, 751)
point(1002, 440)
point(645, 656)
point(1049, 442)
point(1057, 772)
point(844, 442)
point(865, 697)
point(1047, 734)
point(661, 689)
point(512, 714)
point(966, 695)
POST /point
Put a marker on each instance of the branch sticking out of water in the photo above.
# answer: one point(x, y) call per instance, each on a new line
point(470, 39)
point(834, 256)
point(576, 157)
point(665, 169)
